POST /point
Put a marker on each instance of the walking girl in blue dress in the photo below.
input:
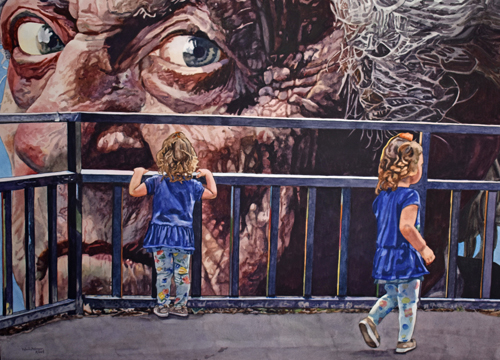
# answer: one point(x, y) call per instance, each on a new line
point(401, 250)
point(170, 233)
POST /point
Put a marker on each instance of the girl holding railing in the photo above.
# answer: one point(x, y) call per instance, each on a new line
point(170, 233)
point(401, 250)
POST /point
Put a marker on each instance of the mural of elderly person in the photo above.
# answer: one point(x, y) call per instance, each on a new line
point(364, 60)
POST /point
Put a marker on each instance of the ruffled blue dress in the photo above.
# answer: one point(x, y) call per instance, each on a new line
point(171, 226)
point(396, 260)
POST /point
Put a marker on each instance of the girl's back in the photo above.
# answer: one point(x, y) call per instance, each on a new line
point(387, 208)
point(173, 202)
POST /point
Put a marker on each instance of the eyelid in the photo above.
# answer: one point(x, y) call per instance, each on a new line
point(173, 50)
point(62, 26)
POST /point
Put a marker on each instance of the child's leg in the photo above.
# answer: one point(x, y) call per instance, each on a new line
point(385, 304)
point(407, 302)
point(164, 269)
point(181, 278)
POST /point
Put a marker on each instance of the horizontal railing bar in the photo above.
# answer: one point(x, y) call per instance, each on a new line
point(40, 312)
point(124, 176)
point(34, 118)
point(220, 120)
point(436, 184)
point(346, 303)
point(309, 123)
point(36, 180)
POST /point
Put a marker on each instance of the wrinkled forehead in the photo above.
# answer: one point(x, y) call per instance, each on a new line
point(99, 15)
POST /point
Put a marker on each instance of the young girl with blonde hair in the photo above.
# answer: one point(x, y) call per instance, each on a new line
point(401, 250)
point(170, 233)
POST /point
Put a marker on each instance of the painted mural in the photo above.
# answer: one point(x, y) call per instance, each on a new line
point(397, 60)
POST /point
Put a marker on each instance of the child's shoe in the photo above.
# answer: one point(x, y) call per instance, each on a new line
point(161, 311)
point(179, 311)
point(404, 347)
point(369, 332)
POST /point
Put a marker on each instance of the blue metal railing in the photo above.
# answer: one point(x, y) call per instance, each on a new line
point(75, 177)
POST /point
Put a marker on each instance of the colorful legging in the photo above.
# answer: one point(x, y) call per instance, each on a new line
point(168, 263)
point(405, 296)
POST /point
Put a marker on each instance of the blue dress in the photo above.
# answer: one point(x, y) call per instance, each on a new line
point(171, 224)
point(395, 258)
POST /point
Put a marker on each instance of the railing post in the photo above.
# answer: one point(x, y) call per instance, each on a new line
point(309, 246)
point(421, 187)
point(234, 274)
point(29, 245)
point(52, 238)
point(196, 266)
point(272, 260)
point(75, 213)
point(8, 298)
point(117, 239)
point(345, 221)
point(451, 277)
point(489, 232)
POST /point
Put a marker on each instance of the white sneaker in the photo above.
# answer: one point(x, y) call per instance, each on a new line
point(161, 311)
point(369, 332)
point(179, 311)
point(404, 347)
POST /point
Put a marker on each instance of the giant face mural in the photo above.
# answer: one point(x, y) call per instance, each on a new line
point(364, 60)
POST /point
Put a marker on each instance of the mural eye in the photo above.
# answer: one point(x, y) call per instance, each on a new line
point(38, 39)
point(192, 51)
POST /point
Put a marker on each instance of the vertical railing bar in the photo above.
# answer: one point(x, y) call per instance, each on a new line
point(273, 241)
point(8, 298)
point(52, 239)
point(75, 213)
point(235, 247)
point(116, 259)
point(488, 244)
point(421, 187)
point(29, 245)
point(345, 222)
point(196, 267)
point(309, 246)
point(453, 244)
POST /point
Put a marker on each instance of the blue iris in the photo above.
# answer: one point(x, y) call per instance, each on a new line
point(200, 52)
point(47, 41)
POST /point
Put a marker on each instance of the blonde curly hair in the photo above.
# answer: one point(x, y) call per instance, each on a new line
point(399, 160)
point(177, 158)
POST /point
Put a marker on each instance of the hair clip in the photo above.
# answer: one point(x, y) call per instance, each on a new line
point(406, 136)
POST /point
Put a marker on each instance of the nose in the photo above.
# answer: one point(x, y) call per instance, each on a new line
point(85, 80)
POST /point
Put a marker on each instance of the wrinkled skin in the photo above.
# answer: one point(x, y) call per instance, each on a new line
point(306, 58)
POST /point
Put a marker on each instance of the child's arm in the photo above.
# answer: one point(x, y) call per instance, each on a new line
point(135, 187)
point(410, 233)
point(211, 189)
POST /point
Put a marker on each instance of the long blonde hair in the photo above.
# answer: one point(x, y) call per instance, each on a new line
point(177, 158)
point(399, 159)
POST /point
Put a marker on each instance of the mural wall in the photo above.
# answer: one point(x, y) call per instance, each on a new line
point(364, 60)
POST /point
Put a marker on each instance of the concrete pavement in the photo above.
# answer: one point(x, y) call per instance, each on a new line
point(439, 335)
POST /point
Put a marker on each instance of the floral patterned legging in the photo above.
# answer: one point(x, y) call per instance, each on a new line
point(405, 296)
point(168, 263)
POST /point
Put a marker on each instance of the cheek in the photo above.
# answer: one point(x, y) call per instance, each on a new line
point(186, 93)
point(26, 84)
point(28, 76)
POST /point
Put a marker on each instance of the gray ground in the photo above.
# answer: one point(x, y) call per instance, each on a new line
point(440, 335)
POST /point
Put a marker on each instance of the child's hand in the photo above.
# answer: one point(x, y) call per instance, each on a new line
point(203, 173)
point(427, 255)
point(140, 170)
